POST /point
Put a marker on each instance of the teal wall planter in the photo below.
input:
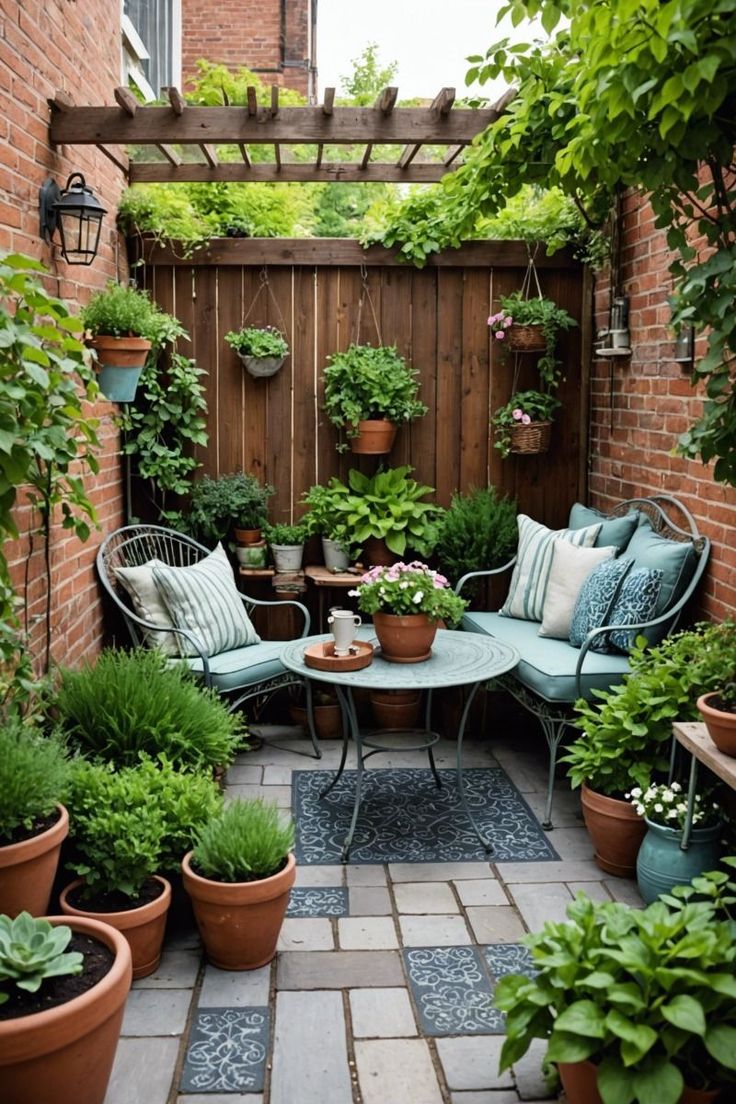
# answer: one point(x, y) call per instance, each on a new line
point(118, 384)
point(662, 864)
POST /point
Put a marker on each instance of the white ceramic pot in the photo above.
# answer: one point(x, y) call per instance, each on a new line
point(334, 557)
point(287, 557)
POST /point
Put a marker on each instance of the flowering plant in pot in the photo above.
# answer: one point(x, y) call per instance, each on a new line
point(532, 325)
point(262, 349)
point(718, 711)
point(635, 1005)
point(524, 424)
point(661, 862)
point(407, 602)
point(62, 997)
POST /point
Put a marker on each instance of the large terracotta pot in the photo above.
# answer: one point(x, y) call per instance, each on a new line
point(396, 709)
point(579, 1082)
point(65, 1054)
point(378, 554)
point(616, 831)
point(327, 719)
point(27, 869)
point(721, 726)
point(142, 927)
point(375, 437)
point(405, 639)
point(121, 361)
point(239, 921)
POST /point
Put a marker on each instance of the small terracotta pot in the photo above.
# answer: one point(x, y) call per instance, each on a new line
point(327, 719)
point(375, 437)
point(239, 921)
point(579, 1080)
point(616, 831)
point(248, 536)
point(404, 639)
point(396, 709)
point(721, 726)
point(143, 927)
point(378, 554)
point(27, 869)
point(120, 352)
point(65, 1054)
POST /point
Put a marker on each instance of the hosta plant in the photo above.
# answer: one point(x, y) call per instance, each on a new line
point(32, 950)
point(388, 506)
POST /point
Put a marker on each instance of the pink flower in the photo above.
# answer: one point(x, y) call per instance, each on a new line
point(499, 335)
point(517, 414)
point(525, 419)
point(508, 320)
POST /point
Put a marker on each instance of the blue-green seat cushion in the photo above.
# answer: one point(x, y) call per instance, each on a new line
point(596, 599)
point(676, 560)
point(638, 600)
point(618, 530)
point(547, 665)
point(243, 666)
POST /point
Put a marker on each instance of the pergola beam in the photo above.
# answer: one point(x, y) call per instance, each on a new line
point(210, 155)
point(156, 172)
point(126, 100)
point(328, 103)
point(386, 102)
point(177, 101)
point(170, 154)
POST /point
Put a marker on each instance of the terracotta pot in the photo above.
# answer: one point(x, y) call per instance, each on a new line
point(375, 437)
point(120, 352)
point(239, 921)
point(27, 869)
point(248, 536)
point(404, 639)
point(579, 1082)
point(378, 554)
point(65, 1054)
point(327, 719)
point(396, 709)
point(143, 927)
point(721, 726)
point(616, 831)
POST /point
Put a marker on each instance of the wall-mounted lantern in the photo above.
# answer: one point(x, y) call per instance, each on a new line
point(77, 214)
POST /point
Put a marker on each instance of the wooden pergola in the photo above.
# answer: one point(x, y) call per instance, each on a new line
point(180, 131)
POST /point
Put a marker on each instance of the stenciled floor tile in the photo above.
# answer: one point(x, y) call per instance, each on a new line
point(452, 992)
point(227, 1051)
point(318, 901)
point(508, 958)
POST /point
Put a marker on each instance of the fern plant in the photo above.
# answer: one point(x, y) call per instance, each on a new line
point(478, 532)
point(248, 841)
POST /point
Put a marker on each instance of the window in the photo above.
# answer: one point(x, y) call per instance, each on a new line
point(152, 45)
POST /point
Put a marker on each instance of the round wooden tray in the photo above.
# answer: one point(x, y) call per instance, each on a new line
point(322, 656)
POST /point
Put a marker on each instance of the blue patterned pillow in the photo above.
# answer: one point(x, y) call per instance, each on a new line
point(596, 600)
point(637, 601)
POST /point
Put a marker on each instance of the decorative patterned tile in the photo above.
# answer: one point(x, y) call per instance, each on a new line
point(404, 818)
point(227, 1051)
point(508, 958)
point(451, 991)
point(318, 901)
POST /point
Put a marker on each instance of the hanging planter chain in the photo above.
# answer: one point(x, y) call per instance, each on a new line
point(264, 285)
point(268, 365)
point(365, 294)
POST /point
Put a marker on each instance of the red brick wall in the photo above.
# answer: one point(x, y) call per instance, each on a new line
point(635, 423)
point(47, 45)
point(235, 33)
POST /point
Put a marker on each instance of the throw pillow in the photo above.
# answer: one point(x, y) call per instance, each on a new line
point(534, 559)
point(596, 599)
point(637, 601)
point(139, 583)
point(618, 531)
point(571, 566)
point(203, 598)
point(675, 559)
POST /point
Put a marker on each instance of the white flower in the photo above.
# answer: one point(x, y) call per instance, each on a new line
point(650, 793)
point(417, 597)
point(640, 809)
point(636, 792)
point(668, 796)
point(676, 787)
point(659, 807)
point(404, 585)
point(671, 814)
point(682, 807)
point(381, 591)
point(354, 594)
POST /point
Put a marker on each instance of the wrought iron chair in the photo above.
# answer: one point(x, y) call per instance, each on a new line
point(238, 675)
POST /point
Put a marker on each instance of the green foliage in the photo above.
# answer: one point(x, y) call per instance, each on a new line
point(123, 311)
point(535, 311)
point(717, 887)
point(132, 703)
point(285, 534)
point(521, 409)
point(324, 517)
point(33, 950)
point(409, 588)
point(367, 381)
point(649, 995)
point(388, 506)
point(216, 505)
point(258, 341)
point(626, 733)
point(247, 841)
point(369, 77)
point(33, 775)
point(477, 533)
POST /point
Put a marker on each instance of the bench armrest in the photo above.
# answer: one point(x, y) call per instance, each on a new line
point(151, 626)
point(482, 574)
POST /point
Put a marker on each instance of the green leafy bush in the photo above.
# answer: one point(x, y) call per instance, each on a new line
point(535, 311)
point(478, 532)
point(34, 772)
point(123, 311)
point(521, 409)
point(249, 840)
point(367, 381)
point(33, 950)
point(387, 506)
point(216, 505)
point(258, 341)
point(323, 517)
point(131, 703)
point(285, 534)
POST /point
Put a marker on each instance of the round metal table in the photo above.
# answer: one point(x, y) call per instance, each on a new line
point(458, 659)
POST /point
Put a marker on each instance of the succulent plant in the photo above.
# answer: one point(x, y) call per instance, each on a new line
point(32, 950)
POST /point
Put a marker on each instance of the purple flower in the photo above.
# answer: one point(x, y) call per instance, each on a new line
point(499, 335)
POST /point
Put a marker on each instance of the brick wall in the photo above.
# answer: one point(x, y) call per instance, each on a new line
point(47, 45)
point(271, 37)
point(638, 415)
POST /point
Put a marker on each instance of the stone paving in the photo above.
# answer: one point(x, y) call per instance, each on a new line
point(380, 993)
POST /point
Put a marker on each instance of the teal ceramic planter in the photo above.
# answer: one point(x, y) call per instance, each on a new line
point(662, 864)
point(119, 384)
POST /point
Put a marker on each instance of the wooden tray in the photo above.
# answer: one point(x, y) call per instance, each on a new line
point(322, 656)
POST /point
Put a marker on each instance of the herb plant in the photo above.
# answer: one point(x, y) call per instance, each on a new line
point(34, 771)
point(217, 505)
point(324, 517)
point(285, 534)
point(123, 311)
point(367, 381)
point(388, 506)
point(518, 311)
point(258, 341)
point(408, 588)
point(666, 805)
point(249, 840)
point(478, 532)
point(32, 950)
point(523, 408)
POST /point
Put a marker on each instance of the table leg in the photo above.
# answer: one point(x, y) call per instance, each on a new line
point(345, 740)
point(673, 759)
point(428, 728)
point(692, 786)
point(310, 719)
point(346, 700)
point(487, 846)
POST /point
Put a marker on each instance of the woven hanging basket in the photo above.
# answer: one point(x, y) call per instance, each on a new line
point(532, 438)
point(526, 339)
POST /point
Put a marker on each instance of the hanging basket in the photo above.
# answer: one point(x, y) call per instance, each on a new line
point(260, 367)
point(526, 339)
point(529, 439)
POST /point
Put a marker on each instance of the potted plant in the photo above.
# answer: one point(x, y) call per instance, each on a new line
point(634, 1005)
point(262, 349)
point(407, 601)
point(524, 425)
point(531, 326)
point(478, 532)
point(395, 710)
point(238, 876)
point(34, 772)
point(237, 501)
point(323, 519)
point(661, 862)
point(369, 390)
point(287, 546)
point(58, 1040)
point(718, 711)
point(326, 711)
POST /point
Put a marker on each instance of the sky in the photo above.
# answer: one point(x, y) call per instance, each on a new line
point(430, 39)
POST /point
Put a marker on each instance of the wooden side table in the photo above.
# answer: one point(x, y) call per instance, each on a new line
point(324, 579)
point(694, 737)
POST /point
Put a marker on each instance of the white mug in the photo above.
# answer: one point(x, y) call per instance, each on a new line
point(343, 624)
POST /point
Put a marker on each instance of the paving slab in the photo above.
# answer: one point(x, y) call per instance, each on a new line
point(371, 874)
point(491, 1096)
point(274, 795)
point(310, 1059)
point(481, 891)
point(277, 776)
point(441, 872)
point(530, 1082)
point(433, 931)
point(624, 890)
point(142, 1071)
point(393, 1070)
point(541, 901)
point(495, 923)
point(300, 934)
point(367, 933)
point(528, 772)
point(227, 1051)
point(573, 870)
point(597, 891)
point(572, 844)
point(369, 901)
point(451, 991)
point(241, 774)
point(381, 1013)
point(318, 901)
point(184, 938)
point(471, 1062)
point(234, 988)
point(220, 1098)
point(319, 875)
point(566, 810)
point(177, 970)
point(338, 969)
point(424, 897)
point(156, 1011)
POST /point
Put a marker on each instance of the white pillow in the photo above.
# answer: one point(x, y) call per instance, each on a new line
point(534, 559)
point(204, 599)
point(148, 604)
point(570, 568)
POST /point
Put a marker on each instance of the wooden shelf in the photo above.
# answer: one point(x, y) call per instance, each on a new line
point(257, 572)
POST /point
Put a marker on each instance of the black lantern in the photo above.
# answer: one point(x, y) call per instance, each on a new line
point(77, 213)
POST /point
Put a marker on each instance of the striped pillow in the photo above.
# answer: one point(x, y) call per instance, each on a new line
point(203, 598)
point(534, 560)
